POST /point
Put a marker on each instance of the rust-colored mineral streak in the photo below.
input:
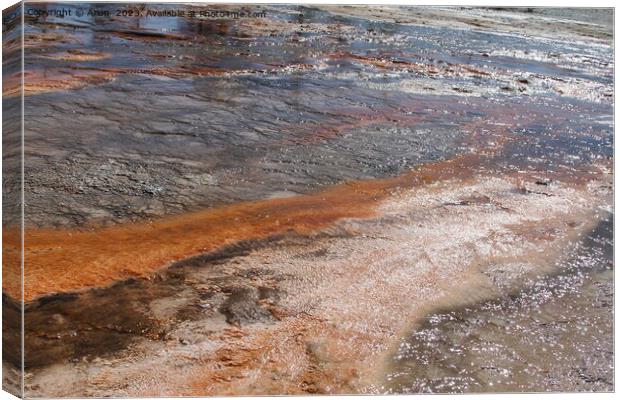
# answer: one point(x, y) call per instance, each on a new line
point(63, 260)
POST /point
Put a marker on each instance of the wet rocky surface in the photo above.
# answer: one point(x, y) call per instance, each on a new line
point(470, 144)
point(555, 334)
point(301, 313)
point(131, 118)
point(168, 158)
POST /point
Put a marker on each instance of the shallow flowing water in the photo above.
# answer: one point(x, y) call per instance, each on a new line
point(554, 334)
point(230, 206)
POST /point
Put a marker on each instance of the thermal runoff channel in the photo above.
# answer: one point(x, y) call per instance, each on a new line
point(283, 199)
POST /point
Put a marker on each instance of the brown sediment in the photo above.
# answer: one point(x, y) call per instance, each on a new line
point(13, 47)
point(58, 79)
point(48, 39)
point(266, 351)
point(79, 55)
point(61, 260)
point(326, 131)
point(67, 78)
point(492, 131)
point(429, 67)
point(52, 80)
point(75, 77)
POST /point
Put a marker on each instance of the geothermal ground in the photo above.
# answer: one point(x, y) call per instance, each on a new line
point(316, 200)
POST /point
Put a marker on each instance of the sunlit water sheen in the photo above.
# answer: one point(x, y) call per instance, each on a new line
point(554, 335)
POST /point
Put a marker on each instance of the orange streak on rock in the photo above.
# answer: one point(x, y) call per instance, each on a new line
point(63, 260)
point(75, 77)
point(76, 55)
point(43, 81)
